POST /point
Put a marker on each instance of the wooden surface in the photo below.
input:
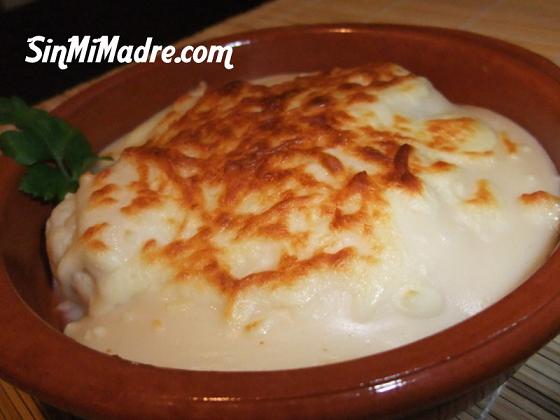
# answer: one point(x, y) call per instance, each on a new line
point(534, 391)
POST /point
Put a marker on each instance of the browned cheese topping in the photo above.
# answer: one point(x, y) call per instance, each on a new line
point(263, 165)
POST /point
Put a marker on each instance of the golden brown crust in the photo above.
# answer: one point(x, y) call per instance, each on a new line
point(91, 237)
point(510, 145)
point(439, 166)
point(272, 155)
point(402, 175)
point(539, 197)
point(483, 195)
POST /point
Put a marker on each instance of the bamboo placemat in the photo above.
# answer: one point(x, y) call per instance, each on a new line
point(534, 391)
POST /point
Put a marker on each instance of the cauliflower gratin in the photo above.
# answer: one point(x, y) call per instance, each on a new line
point(299, 221)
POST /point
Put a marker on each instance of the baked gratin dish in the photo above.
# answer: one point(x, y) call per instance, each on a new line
point(300, 220)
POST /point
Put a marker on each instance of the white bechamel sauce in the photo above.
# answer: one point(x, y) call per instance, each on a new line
point(444, 261)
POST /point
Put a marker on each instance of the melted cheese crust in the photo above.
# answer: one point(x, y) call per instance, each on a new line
point(316, 219)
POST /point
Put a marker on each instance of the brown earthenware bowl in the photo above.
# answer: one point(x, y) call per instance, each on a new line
point(435, 375)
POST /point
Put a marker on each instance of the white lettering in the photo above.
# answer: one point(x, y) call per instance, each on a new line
point(220, 50)
point(167, 54)
point(93, 49)
point(142, 52)
point(186, 54)
point(124, 55)
point(60, 52)
point(155, 51)
point(77, 47)
point(107, 50)
point(200, 53)
point(46, 53)
point(34, 48)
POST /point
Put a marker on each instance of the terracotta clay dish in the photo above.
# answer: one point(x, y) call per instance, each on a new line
point(437, 375)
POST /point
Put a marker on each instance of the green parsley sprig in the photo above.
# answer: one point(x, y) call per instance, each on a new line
point(54, 153)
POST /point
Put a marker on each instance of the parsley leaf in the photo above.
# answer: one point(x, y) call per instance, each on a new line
point(55, 153)
point(46, 182)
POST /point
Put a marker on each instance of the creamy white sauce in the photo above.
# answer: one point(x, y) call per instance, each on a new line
point(444, 261)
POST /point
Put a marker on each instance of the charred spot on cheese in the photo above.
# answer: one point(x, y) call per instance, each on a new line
point(448, 134)
point(102, 196)
point(539, 197)
point(144, 199)
point(402, 174)
point(483, 195)
point(510, 145)
point(252, 325)
point(439, 166)
point(91, 237)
